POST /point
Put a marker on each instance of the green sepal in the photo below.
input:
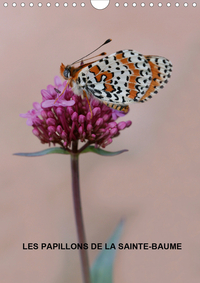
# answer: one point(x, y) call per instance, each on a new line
point(102, 269)
point(59, 150)
point(102, 152)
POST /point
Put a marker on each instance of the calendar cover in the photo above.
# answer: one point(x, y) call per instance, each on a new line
point(100, 141)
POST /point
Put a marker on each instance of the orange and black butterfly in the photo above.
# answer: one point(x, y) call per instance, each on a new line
point(119, 79)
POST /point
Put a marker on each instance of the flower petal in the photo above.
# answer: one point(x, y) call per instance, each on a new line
point(57, 81)
point(29, 122)
point(48, 103)
point(116, 114)
point(67, 103)
point(26, 115)
point(37, 106)
point(45, 94)
point(51, 90)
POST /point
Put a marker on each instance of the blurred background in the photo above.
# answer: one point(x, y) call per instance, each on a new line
point(154, 186)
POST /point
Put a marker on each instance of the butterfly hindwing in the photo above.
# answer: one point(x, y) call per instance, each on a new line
point(161, 69)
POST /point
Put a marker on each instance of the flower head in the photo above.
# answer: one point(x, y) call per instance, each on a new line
point(69, 118)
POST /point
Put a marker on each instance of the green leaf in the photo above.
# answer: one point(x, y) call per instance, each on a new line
point(61, 150)
point(102, 268)
point(44, 152)
point(103, 152)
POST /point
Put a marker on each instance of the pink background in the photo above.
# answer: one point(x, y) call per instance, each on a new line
point(155, 186)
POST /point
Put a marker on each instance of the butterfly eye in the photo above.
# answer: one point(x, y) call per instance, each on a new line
point(66, 72)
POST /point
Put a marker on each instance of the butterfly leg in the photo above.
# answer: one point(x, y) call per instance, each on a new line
point(85, 95)
point(62, 92)
point(124, 108)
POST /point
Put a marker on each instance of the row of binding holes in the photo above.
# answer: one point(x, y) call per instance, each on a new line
point(116, 4)
point(159, 4)
point(48, 4)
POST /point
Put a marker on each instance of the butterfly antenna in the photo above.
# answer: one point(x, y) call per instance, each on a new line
point(102, 54)
point(107, 41)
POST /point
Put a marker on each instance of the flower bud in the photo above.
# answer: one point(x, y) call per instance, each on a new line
point(89, 127)
point(51, 122)
point(64, 135)
point(80, 130)
point(112, 125)
point(99, 122)
point(121, 125)
point(50, 114)
point(106, 117)
point(96, 111)
point(128, 123)
point(88, 116)
point(59, 111)
point(104, 107)
point(95, 103)
point(109, 141)
point(70, 110)
point(37, 122)
point(36, 132)
point(44, 114)
point(65, 144)
point(59, 129)
point(74, 116)
point(81, 119)
point(51, 129)
point(113, 131)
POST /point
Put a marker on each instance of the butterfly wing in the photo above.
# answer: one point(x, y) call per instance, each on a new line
point(161, 69)
point(123, 77)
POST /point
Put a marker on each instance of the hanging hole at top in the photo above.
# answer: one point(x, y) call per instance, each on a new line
point(100, 4)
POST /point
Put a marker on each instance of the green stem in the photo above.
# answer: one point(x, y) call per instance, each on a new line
point(78, 212)
point(84, 147)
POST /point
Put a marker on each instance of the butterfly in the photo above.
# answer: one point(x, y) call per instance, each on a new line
point(119, 79)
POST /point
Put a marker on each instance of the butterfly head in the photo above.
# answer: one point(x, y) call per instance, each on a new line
point(69, 71)
point(65, 71)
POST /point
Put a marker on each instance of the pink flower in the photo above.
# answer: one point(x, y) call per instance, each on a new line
point(51, 96)
point(69, 119)
point(116, 114)
point(32, 115)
